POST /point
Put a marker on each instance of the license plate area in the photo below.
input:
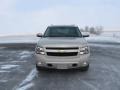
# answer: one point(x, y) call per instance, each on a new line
point(62, 66)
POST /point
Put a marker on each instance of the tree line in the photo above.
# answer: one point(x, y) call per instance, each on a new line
point(93, 30)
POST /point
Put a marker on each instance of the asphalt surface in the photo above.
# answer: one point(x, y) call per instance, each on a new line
point(18, 72)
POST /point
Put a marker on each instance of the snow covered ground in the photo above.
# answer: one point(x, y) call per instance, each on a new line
point(17, 71)
point(19, 39)
point(106, 37)
point(115, 34)
point(103, 39)
point(104, 72)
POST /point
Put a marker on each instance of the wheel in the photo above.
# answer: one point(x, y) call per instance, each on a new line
point(84, 68)
point(39, 67)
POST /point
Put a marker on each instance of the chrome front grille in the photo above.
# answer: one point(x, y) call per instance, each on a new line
point(62, 54)
point(62, 48)
point(62, 51)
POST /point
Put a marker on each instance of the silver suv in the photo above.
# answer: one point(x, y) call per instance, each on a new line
point(62, 47)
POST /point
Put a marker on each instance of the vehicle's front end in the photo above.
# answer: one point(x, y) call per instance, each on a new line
point(62, 56)
point(62, 53)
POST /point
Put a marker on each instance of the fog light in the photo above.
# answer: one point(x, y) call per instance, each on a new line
point(85, 63)
point(39, 63)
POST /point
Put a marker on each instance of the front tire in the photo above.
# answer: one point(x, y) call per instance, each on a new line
point(85, 68)
point(39, 67)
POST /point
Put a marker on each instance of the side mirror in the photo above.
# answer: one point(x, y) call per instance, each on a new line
point(39, 35)
point(85, 34)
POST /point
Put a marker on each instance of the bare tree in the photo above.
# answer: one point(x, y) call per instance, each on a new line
point(86, 29)
point(92, 30)
point(99, 30)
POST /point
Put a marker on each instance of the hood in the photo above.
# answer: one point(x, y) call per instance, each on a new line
point(52, 41)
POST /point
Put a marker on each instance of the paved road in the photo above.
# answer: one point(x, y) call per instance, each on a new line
point(17, 71)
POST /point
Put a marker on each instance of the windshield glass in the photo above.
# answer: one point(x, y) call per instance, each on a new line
point(62, 32)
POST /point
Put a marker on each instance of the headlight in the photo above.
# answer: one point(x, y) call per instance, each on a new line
point(39, 50)
point(84, 50)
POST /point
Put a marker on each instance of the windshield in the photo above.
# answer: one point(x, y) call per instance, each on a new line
point(62, 32)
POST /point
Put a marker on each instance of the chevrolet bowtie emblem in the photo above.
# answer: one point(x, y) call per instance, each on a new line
point(61, 51)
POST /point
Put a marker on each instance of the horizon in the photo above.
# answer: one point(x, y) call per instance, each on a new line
point(34, 34)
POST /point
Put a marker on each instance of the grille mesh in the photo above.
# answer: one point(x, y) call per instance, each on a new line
point(62, 54)
point(62, 48)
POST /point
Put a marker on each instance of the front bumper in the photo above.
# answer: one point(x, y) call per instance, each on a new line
point(62, 62)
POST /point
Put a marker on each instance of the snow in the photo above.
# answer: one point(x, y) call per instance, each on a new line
point(26, 83)
point(3, 71)
point(19, 39)
point(104, 39)
point(110, 37)
point(104, 45)
point(24, 56)
point(8, 66)
point(115, 34)
point(26, 87)
point(18, 61)
point(24, 53)
point(29, 78)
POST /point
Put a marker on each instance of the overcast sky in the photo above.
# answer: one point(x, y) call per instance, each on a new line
point(32, 16)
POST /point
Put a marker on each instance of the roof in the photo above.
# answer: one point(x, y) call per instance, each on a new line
point(62, 26)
